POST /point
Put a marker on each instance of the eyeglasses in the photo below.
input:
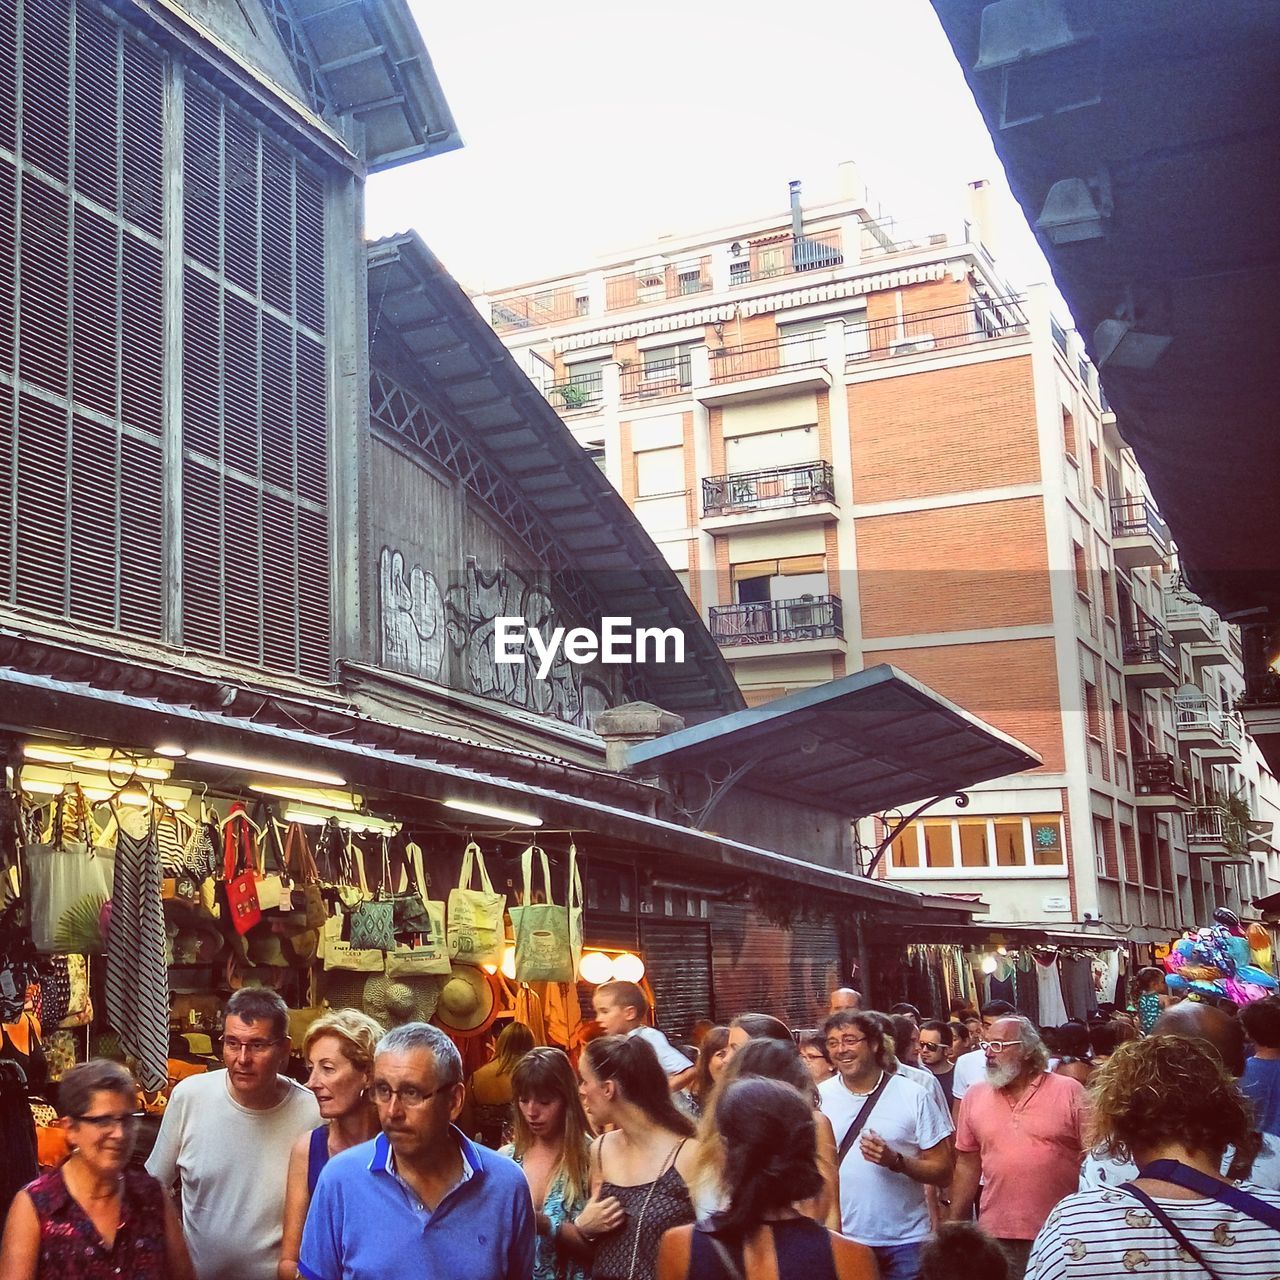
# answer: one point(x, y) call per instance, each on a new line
point(254, 1048)
point(410, 1096)
point(998, 1045)
point(845, 1042)
point(105, 1123)
point(924, 1044)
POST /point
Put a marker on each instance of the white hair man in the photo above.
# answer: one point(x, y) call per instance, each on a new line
point(1021, 1132)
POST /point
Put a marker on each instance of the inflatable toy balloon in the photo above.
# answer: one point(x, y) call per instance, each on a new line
point(1239, 950)
point(1208, 988)
point(1184, 947)
point(1174, 961)
point(1250, 973)
point(1177, 984)
point(1243, 992)
point(1226, 917)
point(1257, 936)
point(1262, 957)
point(1201, 973)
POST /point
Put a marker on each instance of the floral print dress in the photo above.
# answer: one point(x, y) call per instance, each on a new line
point(548, 1262)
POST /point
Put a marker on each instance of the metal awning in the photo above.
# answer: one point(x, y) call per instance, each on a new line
point(868, 742)
point(35, 703)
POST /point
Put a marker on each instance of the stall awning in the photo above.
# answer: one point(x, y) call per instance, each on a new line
point(39, 702)
point(871, 741)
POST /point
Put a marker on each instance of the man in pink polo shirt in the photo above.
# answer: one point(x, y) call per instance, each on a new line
point(1021, 1132)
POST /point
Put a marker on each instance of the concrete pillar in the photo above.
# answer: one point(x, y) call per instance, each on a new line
point(633, 722)
point(842, 481)
point(700, 376)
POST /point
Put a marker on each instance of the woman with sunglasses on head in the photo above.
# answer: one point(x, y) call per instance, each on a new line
point(338, 1049)
point(639, 1170)
point(552, 1145)
point(94, 1217)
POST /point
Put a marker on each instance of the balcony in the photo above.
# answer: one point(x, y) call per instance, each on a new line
point(583, 391)
point(1215, 650)
point(770, 489)
point(1158, 786)
point(787, 256)
point(1185, 618)
point(530, 310)
point(944, 329)
point(656, 281)
point(778, 622)
point(759, 369)
point(1204, 727)
point(1140, 536)
point(1150, 658)
point(655, 380)
point(1213, 833)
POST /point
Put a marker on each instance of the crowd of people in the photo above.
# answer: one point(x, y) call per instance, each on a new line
point(884, 1144)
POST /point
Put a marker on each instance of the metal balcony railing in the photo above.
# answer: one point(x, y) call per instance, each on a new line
point(656, 282)
point(778, 621)
point(1136, 518)
point(580, 392)
point(938, 330)
point(1181, 605)
point(655, 378)
point(773, 355)
point(1146, 641)
point(818, 251)
point(1158, 773)
point(528, 310)
point(1232, 733)
point(768, 488)
point(1193, 711)
point(1208, 824)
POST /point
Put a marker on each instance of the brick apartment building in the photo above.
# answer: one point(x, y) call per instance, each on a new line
point(857, 445)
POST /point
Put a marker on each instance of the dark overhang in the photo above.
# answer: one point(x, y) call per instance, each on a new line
point(1167, 118)
point(871, 741)
point(427, 334)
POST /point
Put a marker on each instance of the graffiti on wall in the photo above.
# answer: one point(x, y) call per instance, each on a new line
point(446, 635)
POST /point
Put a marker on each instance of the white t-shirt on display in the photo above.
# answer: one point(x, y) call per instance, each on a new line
point(878, 1206)
point(1101, 1170)
point(971, 1069)
point(234, 1163)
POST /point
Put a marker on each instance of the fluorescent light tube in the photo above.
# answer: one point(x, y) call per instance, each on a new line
point(251, 764)
point(513, 816)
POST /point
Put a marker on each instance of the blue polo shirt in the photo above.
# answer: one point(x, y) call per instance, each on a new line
point(365, 1224)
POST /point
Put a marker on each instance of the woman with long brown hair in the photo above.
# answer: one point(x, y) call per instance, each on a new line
point(552, 1145)
point(639, 1171)
point(713, 1057)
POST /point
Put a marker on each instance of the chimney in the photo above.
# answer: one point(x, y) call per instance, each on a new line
point(632, 723)
point(982, 215)
point(849, 184)
point(797, 216)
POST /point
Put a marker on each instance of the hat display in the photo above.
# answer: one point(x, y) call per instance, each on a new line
point(468, 1001)
point(343, 988)
point(395, 1001)
point(198, 939)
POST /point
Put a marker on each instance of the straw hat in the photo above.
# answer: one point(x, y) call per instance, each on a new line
point(468, 1001)
point(344, 989)
point(394, 1001)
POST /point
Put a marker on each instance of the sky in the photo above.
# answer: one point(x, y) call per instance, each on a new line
point(590, 127)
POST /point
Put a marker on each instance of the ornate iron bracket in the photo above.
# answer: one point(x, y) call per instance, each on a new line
point(720, 778)
point(902, 823)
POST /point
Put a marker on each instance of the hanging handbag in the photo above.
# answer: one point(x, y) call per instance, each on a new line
point(338, 952)
point(429, 953)
point(239, 860)
point(301, 866)
point(67, 878)
point(575, 910)
point(372, 923)
point(274, 885)
point(330, 853)
point(475, 929)
point(543, 951)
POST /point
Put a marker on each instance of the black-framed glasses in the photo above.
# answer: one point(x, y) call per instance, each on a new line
point(124, 1120)
point(254, 1048)
point(411, 1096)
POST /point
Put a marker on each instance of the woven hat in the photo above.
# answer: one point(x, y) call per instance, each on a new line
point(395, 1001)
point(468, 1001)
point(344, 989)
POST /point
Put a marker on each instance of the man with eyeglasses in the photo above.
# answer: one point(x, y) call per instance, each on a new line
point(934, 1042)
point(226, 1138)
point(971, 1067)
point(893, 1140)
point(1022, 1133)
point(421, 1199)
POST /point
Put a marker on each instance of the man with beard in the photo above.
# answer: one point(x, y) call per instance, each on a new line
point(1021, 1132)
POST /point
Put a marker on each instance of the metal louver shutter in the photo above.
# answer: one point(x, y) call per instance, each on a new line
point(760, 967)
point(678, 955)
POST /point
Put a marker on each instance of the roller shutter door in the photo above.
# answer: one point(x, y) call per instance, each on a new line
point(678, 953)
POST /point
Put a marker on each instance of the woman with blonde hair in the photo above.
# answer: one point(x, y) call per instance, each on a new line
point(339, 1051)
point(1166, 1103)
point(552, 1145)
point(489, 1094)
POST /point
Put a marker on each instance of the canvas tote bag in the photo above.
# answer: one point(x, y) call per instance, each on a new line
point(543, 951)
point(475, 930)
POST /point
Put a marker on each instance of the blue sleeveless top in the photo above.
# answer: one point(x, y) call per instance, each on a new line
point(317, 1156)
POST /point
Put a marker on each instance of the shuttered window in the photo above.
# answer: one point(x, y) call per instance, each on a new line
point(85, 519)
point(81, 454)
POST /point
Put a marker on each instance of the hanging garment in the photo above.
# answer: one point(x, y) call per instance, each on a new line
point(1109, 964)
point(17, 1133)
point(1077, 986)
point(137, 983)
point(1053, 1008)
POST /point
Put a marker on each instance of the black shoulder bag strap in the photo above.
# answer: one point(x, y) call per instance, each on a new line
point(1183, 1175)
point(1171, 1227)
point(864, 1114)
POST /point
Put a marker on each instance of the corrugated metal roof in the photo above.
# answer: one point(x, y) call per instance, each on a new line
point(871, 741)
point(426, 333)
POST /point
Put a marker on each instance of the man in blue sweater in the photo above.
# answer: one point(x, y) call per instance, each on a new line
point(420, 1199)
point(1261, 1080)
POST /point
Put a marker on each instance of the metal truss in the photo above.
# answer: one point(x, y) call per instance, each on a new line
point(298, 47)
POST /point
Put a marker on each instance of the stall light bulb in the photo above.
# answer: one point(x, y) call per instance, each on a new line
point(628, 967)
point(595, 968)
point(988, 964)
point(509, 963)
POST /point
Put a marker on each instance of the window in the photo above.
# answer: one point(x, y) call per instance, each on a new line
point(739, 272)
point(1092, 711)
point(1118, 727)
point(667, 365)
point(1108, 607)
point(938, 846)
point(1080, 567)
point(1010, 841)
point(1095, 467)
point(1101, 863)
point(905, 850)
point(973, 842)
point(581, 304)
point(690, 281)
point(659, 471)
point(771, 260)
point(803, 342)
point(1069, 433)
point(596, 454)
point(1046, 840)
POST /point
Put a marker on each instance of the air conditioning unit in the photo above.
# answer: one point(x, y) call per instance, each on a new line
point(910, 346)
